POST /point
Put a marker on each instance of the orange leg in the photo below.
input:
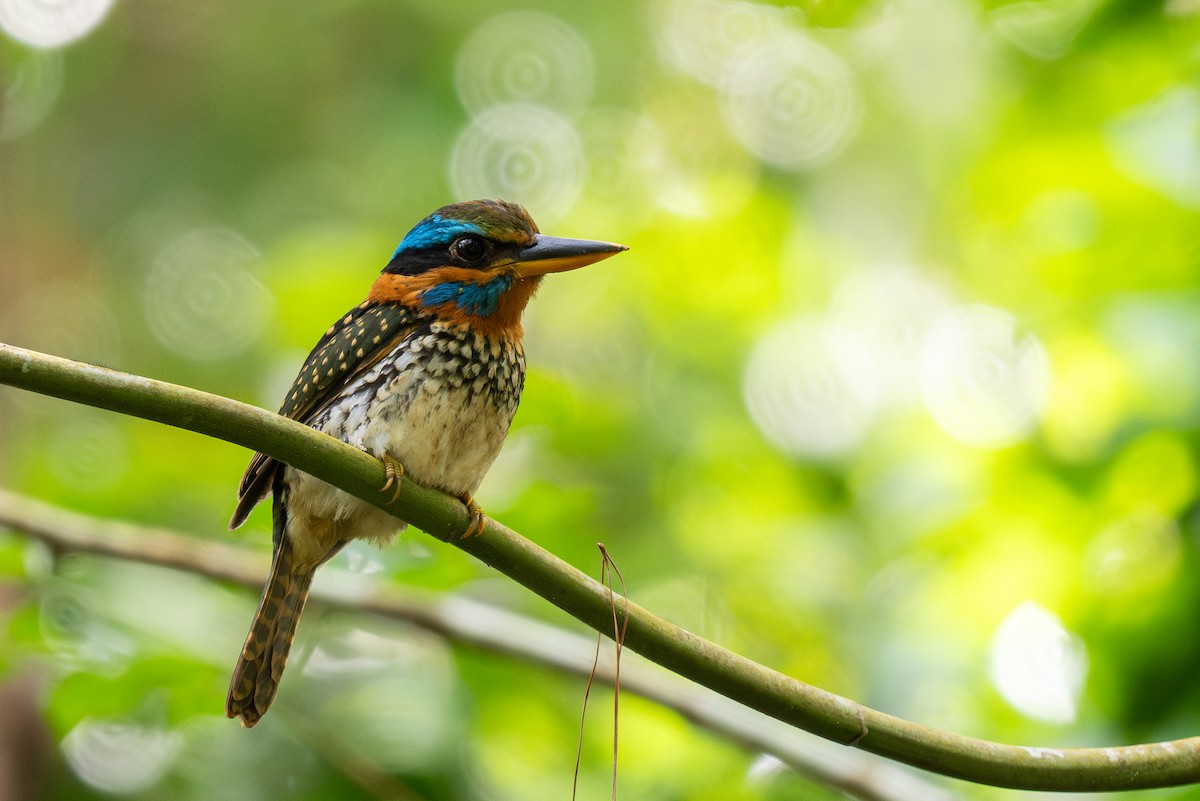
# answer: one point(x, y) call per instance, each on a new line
point(475, 527)
point(394, 471)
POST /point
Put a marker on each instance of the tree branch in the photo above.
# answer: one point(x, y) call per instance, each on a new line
point(480, 625)
point(734, 676)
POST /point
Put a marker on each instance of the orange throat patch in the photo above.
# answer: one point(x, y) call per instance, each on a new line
point(500, 317)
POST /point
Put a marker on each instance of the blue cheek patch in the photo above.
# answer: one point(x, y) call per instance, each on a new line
point(478, 300)
point(433, 231)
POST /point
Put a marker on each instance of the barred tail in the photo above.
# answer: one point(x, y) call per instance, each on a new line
point(256, 676)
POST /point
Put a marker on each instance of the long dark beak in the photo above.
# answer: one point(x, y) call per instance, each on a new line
point(552, 254)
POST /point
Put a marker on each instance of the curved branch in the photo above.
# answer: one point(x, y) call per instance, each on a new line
point(734, 676)
point(476, 624)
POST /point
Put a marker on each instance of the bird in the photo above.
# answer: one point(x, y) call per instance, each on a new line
point(425, 375)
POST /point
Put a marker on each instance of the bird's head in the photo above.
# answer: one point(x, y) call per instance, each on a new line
point(479, 262)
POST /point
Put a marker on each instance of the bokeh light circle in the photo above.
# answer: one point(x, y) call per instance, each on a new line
point(51, 23)
point(30, 91)
point(118, 756)
point(1037, 665)
point(700, 36)
point(622, 150)
point(811, 388)
point(982, 384)
point(695, 170)
point(790, 100)
point(891, 308)
point(521, 152)
point(201, 299)
point(88, 453)
point(1155, 144)
point(524, 57)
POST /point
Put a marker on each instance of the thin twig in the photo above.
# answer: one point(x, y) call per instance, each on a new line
point(618, 644)
point(587, 693)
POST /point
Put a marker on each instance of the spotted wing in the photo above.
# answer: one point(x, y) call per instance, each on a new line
point(351, 346)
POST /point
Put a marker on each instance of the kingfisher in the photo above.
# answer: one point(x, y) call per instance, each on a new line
point(424, 375)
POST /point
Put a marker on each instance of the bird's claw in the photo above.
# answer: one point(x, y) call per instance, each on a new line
point(475, 526)
point(394, 472)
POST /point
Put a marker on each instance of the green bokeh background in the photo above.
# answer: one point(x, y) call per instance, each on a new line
point(193, 191)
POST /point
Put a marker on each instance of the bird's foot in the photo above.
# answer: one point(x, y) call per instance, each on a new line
point(394, 472)
point(475, 526)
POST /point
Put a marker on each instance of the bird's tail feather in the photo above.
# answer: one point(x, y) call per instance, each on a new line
point(260, 667)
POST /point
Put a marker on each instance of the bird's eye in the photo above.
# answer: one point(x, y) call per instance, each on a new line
point(468, 248)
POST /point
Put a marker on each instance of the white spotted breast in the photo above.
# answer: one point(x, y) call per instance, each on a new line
point(440, 403)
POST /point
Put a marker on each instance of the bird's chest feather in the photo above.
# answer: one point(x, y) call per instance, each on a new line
point(440, 403)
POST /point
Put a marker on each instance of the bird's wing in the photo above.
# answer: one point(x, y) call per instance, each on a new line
point(351, 346)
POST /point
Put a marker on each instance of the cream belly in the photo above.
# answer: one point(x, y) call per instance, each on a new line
point(445, 428)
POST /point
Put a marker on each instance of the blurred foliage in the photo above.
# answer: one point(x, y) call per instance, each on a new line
point(896, 390)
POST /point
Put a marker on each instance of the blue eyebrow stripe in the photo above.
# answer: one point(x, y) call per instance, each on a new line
point(433, 231)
